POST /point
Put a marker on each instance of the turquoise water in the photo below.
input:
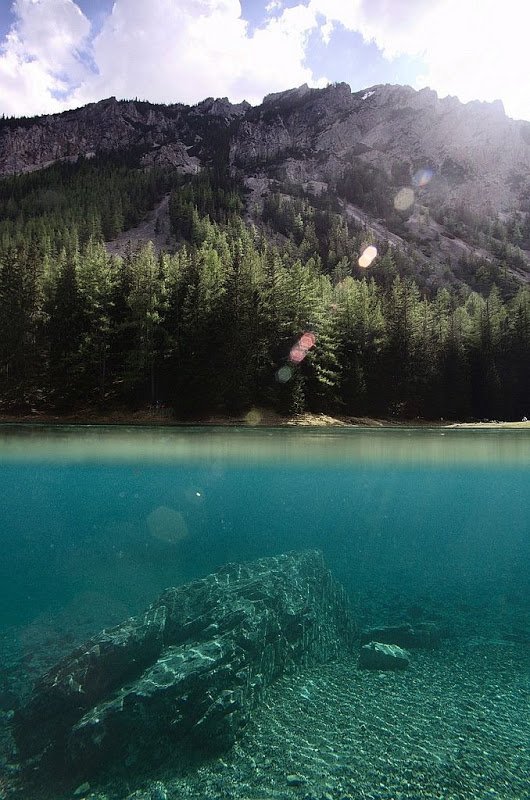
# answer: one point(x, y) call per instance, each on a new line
point(417, 524)
point(412, 513)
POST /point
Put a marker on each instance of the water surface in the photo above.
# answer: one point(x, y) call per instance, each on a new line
point(417, 524)
point(124, 512)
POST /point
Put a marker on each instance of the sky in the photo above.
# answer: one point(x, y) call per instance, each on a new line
point(59, 54)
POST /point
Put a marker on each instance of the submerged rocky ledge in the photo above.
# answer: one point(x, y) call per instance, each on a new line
point(188, 671)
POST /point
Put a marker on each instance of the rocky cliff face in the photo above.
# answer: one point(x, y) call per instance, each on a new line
point(476, 154)
point(472, 155)
point(159, 134)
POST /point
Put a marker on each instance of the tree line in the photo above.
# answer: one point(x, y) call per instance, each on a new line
point(235, 317)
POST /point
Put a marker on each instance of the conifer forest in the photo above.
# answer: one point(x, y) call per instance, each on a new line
point(274, 312)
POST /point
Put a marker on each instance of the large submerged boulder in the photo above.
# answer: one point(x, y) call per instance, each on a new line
point(187, 672)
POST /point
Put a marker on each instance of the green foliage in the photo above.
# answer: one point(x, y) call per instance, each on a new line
point(196, 201)
point(313, 231)
point(213, 327)
point(372, 190)
point(93, 198)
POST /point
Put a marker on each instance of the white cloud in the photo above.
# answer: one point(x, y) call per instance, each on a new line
point(326, 31)
point(185, 50)
point(274, 57)
point(165, 51)
point(474, 51)
point(273, 5)
point(484, 56)
point(161, 50)
point(52, 32)
point(40, 57)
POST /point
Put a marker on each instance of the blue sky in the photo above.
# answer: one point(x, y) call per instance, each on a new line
point(57, 54)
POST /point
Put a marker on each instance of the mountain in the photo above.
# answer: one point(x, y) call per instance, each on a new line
point(469, 148)
point(362, 253)
point(478, 155)
point(449, 182)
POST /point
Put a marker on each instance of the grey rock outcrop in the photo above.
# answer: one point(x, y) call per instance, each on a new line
point(378, 655)
point(466, 146)
point(453, 157)
point(477, 155)
point(188, 671)
point(172, 156)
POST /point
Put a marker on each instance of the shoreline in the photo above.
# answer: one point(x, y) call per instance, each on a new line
point(256, 417)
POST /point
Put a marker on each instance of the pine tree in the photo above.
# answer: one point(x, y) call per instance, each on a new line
point(65, 328)
point(361, 330)
point(146, 303)
point(402, 316)
point(517, 356)
point(321, 364)
point(96, 281)
point(242, 349)
point(200, 375)
point(492, 327)
point(453, 380)
point(13, 316)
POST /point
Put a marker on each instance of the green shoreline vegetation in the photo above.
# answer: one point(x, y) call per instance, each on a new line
point(213, 329)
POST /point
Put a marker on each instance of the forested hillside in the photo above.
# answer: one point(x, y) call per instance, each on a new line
point(276, 313)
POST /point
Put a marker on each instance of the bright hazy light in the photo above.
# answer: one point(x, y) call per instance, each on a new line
point(253, 417)
point(284, 374)
point(367, 256)
point(404, 199)
point(166, 524)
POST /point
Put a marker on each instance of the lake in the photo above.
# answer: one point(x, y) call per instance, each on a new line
point(418, 525)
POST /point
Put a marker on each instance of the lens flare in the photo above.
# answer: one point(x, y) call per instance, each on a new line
point(297, 354)
point(404, 199)
point(284, 374)
point(194, 495)
point(308, 340)
point(166, 524)
point(422, 177)
point(300, 349)
point(367, 256)
point(253, 417)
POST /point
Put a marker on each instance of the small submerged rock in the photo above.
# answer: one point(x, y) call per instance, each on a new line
point(157, 791)
point(378, 655)
point(294, 780)
point(422, 635)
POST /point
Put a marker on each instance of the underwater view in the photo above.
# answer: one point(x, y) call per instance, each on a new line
point(258, 613)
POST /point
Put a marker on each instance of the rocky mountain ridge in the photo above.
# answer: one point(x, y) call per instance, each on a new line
point(469, 147)
point(443, 153)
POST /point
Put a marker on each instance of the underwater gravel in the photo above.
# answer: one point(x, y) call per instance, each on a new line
point(454, 726)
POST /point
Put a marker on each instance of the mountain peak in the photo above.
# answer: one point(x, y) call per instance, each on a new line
point(288, 94)
point(476, 155)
